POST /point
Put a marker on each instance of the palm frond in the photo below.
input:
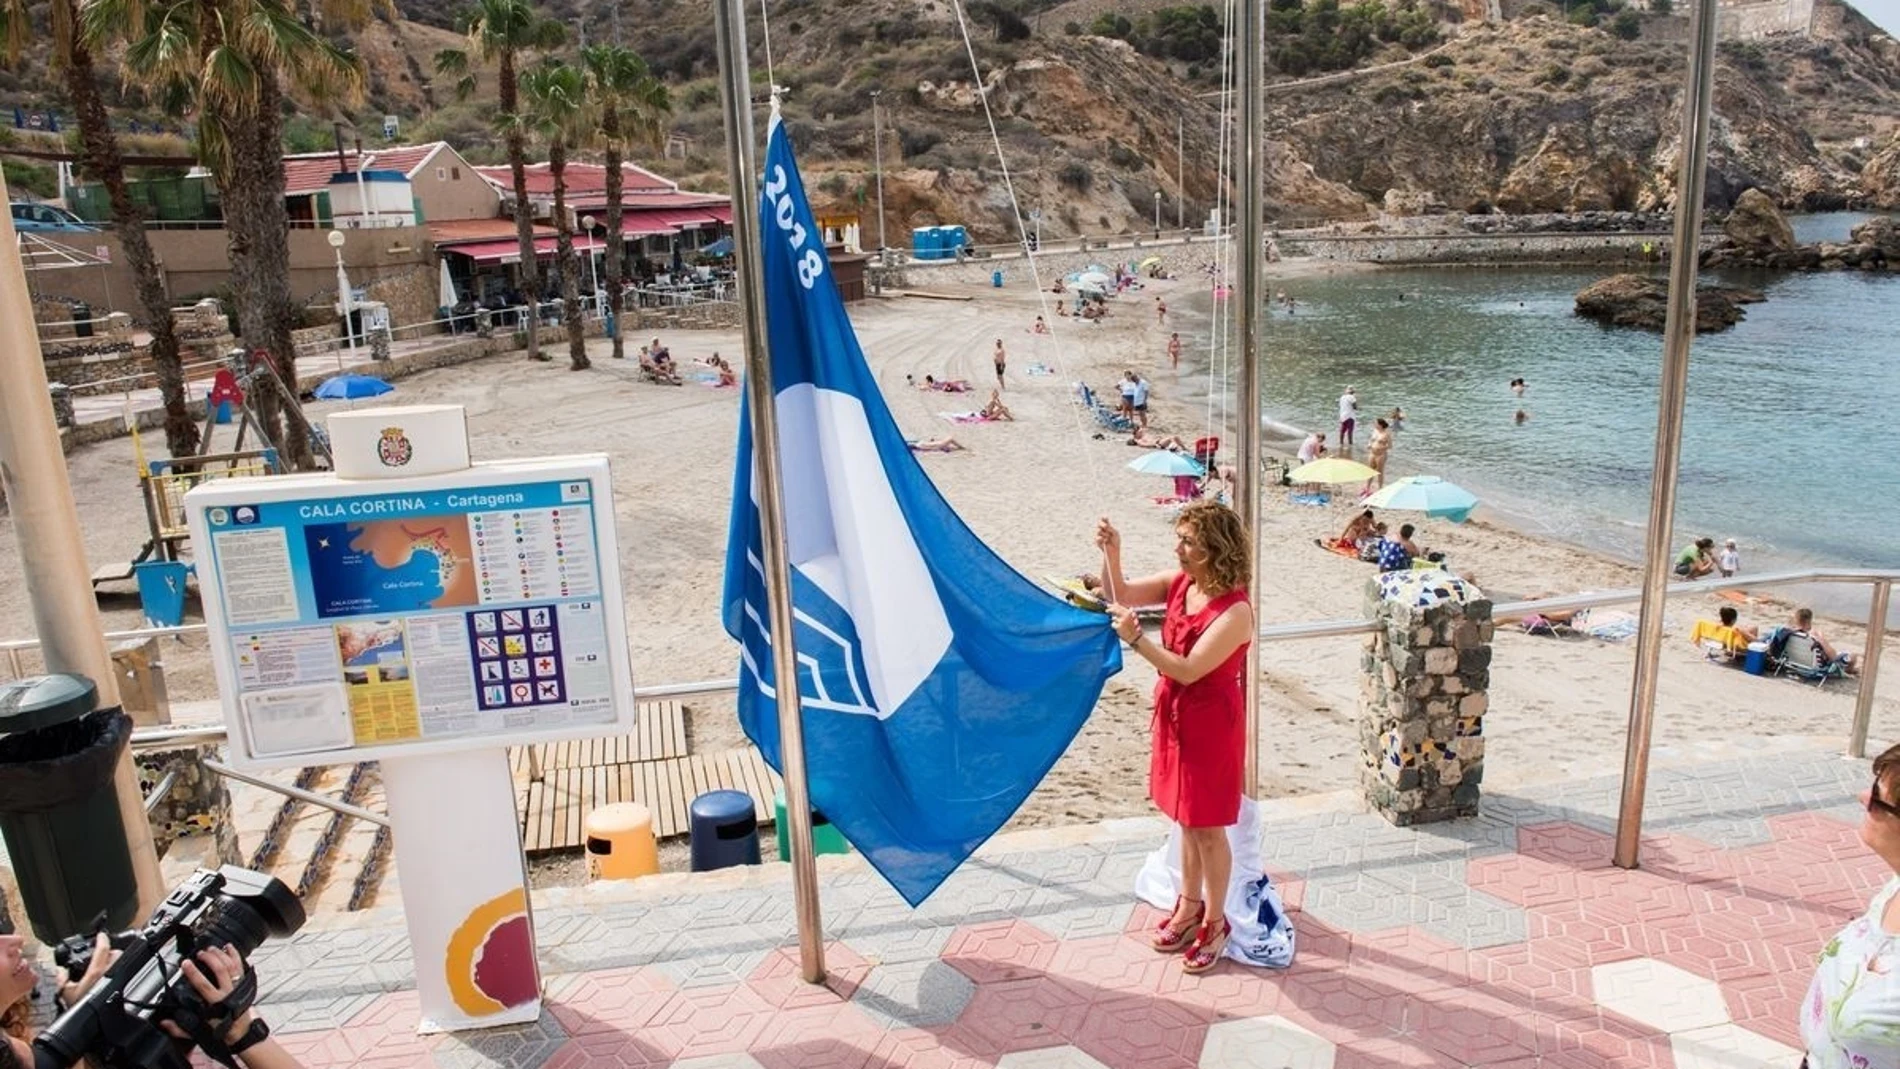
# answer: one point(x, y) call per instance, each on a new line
point(16, 28)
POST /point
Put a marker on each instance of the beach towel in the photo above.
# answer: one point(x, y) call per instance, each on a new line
point(1041, 369)
point(1423, 589)
point(965, 417)
point(1334, 546)
point(1613, 625)
point(1263, 933)
point(1314, 500)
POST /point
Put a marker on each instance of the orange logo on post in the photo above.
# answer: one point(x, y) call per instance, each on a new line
point(490, 962)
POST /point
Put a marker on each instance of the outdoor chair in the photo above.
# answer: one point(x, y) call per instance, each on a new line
point(1796, 653)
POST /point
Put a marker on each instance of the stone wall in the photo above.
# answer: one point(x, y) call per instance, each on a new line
point(1426, 674)
point(1482, 248)
point(198, 802)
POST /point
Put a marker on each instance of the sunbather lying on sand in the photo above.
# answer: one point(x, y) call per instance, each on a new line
point(935, 445)
point(946, 386)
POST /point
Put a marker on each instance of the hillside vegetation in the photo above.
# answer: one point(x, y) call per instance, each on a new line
point(1099, 106)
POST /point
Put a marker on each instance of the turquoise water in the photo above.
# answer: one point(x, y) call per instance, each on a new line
point(1788, 442)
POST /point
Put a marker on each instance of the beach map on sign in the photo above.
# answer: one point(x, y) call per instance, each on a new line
point(391, 565)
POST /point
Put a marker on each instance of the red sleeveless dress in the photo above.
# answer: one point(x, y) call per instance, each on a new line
point(1200, 728)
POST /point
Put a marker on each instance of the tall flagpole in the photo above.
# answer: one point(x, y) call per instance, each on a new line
point(1692, 169)
point(735, 94)
point(1250, 41)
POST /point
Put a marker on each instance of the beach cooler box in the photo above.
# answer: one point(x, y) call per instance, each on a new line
point(1755, 661)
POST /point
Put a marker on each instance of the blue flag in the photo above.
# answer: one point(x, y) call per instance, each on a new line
point(938, 684)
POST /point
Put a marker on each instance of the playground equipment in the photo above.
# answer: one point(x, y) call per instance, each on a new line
point(160, 568)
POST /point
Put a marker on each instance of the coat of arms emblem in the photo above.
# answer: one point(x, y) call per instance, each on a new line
point(394, 449)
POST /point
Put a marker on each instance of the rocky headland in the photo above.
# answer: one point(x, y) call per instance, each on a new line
point(1643, 301)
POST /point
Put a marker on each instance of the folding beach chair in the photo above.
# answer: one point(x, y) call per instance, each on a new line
point(1800, 656)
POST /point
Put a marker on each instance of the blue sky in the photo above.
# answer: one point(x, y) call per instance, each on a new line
point(1884, 13)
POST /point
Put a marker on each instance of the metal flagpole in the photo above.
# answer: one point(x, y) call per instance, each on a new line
point(1247, 258)
point(735, 92)
point(1678, 332)
point(52, 554)
point(877, 150)
point(1180, 172)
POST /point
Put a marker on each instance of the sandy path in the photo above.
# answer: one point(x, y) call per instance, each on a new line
point(1032, 490)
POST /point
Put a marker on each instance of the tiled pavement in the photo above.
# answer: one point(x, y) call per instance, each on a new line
point(1505, 941)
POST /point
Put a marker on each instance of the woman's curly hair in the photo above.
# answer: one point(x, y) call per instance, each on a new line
point(1226, 541)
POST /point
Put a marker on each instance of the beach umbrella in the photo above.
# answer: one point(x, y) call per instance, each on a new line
point(1094, 278)
point(722, 247)
point(1089, 287)
point(447, 296)
point(352, 387)
point(1331, 470)
point(1428, 494)
point(1162, 462)
point(1149, 262)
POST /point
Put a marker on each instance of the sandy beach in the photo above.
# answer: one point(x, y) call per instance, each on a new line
point(1032, 489)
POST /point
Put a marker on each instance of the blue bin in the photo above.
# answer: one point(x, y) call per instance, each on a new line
point(224, 412)
point(724, 829)
point(996, 279)
point(162, 591)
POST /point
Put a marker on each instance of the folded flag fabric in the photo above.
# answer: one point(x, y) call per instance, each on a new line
point(938, 685)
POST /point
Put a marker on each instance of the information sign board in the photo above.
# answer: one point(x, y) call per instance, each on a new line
point(352, 620)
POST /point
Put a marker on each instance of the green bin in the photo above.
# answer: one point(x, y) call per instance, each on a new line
point(58, 811)
point(825, 838)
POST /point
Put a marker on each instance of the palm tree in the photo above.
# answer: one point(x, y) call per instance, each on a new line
point(100, 156)
point(501, 31)
point(230, 61)
point(629, 102)
point(557, 108)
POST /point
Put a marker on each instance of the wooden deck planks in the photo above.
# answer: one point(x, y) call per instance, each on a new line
point(650, 765)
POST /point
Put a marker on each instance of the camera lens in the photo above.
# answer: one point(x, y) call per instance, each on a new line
point(235, 923)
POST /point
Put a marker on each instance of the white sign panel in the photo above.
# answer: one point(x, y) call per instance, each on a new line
point(354, 620)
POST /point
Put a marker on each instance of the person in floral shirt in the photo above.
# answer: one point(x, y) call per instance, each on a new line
point(1851, 1017)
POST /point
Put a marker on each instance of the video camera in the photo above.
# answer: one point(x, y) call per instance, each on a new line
point(116, 1023)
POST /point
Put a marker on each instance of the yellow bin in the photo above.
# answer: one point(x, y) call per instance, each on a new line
point(620, 842)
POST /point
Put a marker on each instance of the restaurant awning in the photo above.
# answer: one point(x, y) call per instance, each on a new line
point(509, 252)
point(650, 220)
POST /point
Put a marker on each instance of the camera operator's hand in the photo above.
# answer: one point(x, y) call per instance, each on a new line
point(219, 974)
point(102, 958)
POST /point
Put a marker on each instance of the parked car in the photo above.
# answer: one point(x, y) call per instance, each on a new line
point(28, 215)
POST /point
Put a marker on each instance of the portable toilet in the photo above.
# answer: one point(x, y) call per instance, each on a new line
point(923, 243)
point(954, 238)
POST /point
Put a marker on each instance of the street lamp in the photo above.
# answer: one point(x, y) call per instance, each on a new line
point(877, 151)
point(344, 304)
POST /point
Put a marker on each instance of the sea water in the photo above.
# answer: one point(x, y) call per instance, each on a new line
point(1788, 438)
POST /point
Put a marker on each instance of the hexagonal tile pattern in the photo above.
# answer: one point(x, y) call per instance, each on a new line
point(1143, 1032)
point(1659, 995)
point(915, 994)
point(1002, 950)
point(516, 1046)
point(1727, 1046)
point(381, 1036)
point(704, 1021)
point(1063, 1057)
point(611, 1000)
point(1270, 1042)
point(719, 1061)
point(780, 980)
point(1020, 1015)
point(817, 1037)
point(1472, 1026)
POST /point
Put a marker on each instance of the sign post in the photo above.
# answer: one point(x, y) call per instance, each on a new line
point(418, 610)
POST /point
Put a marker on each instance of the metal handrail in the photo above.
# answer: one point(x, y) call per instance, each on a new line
point(298, 793)
point(1882, 580)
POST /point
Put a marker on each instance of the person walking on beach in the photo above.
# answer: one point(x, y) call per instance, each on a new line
point(1196, 766)
point(1161, 313)
point(1376, 452)
point(1001, 360)
point(1348, 417)
point(1140, 400)
point(1174, 349)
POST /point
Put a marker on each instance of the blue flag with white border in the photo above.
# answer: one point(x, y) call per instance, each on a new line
point(938, 684)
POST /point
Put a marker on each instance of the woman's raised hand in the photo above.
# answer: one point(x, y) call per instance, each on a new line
point(1107, 538)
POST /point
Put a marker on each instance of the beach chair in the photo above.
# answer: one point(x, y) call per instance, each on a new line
point(1800, 656)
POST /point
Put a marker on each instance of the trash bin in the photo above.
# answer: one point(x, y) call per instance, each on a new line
point(996, 279)
point(620, 842)
point(724, 830)
point(825, 838)
point(82, 320)
point(58, 812)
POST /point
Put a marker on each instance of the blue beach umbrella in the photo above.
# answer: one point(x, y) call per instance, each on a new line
point(352, 387)
point(1428, 494)
point(1162, 462)
point(722, 247)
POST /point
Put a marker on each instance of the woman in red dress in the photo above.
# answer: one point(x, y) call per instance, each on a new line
point(1200, 732)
